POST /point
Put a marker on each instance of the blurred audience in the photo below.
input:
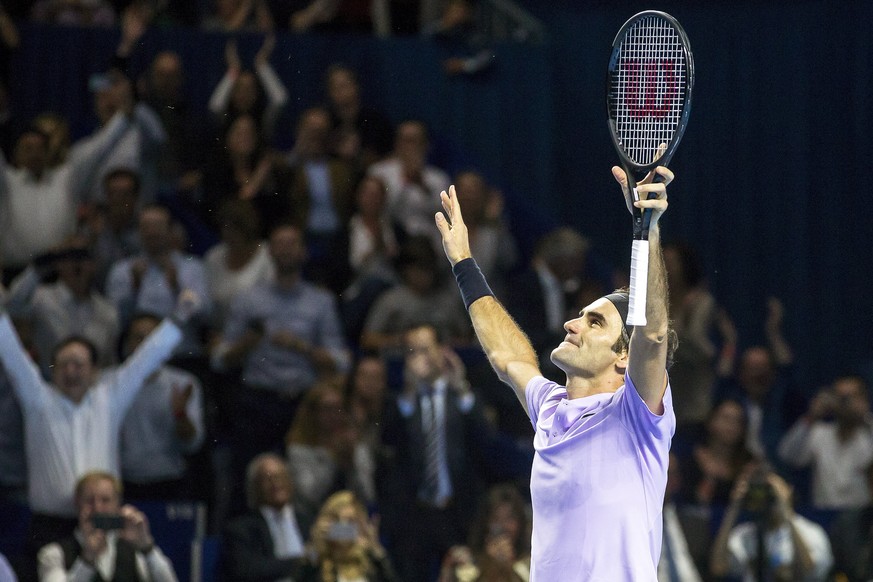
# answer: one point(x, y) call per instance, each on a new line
point(345, 544)
point(111, 541)
point(163, 426)
point(267, 542)
point(360, 134)
point(40, 202)
point(259, 93)
point(69, 306)
point(795, 548)
point(321, 194)
point(422, 295)
point(240, 261)
point(325, 450)
point(112, 228)
point(499, 547)
point(238, 16)
point(282, 336)
point(696, 318)
point(437, 434)
point(242, 167)
point(718, 458)
point(74, 12)
point(835, 438)
point(153, 280)
point(413, 184)
point(562, 276)
point(764, 383)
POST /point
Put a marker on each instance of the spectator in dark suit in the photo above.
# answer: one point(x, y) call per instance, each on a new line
point(267, 542)
point(437, 432)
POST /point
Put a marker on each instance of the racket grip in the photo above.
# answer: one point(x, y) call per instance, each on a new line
point(639, 283)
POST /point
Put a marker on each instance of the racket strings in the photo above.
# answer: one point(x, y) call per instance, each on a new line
point(648, 85)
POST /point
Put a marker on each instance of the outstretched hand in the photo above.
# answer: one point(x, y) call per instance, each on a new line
point(647, 186)
point(456, 239)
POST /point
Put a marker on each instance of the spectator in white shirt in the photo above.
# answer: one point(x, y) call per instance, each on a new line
point(240, 261)
point(836, 438)
point(797, 550)
point(259, 93)
point(96, 551)
point(72, 423)
point(413, 184)
point(164, 424)
point(39, 202)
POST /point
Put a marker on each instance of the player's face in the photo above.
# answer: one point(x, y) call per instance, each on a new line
point(587, 348)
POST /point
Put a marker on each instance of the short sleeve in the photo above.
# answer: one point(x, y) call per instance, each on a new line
point(642, 419)
point(536, 393)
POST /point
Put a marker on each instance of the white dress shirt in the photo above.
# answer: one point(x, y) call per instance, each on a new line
point(151, 567)
point(839, 478)
point(150, 449)
point(287, 540)
point(63, 439)
point(39, 213)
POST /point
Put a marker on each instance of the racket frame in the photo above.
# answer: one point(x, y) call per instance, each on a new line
point(642, 220)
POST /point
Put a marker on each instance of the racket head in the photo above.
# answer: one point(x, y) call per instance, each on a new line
point(650, 79)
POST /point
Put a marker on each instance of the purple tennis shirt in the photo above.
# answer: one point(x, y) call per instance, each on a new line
point(597, 484)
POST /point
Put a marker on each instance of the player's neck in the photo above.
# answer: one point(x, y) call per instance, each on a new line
point(582, 386)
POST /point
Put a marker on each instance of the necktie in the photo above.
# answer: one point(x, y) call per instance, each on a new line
point(432, 434)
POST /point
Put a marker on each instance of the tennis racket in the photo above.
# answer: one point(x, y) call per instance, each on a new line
point(651, 74)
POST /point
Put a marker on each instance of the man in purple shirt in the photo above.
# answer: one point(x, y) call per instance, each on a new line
point(602, 441)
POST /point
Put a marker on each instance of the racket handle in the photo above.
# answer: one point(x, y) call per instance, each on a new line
point(639, 283)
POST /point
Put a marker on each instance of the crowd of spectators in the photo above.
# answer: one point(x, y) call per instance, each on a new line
point(190, 313)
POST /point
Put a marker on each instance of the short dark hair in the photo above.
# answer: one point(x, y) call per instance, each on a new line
point(622, 344)
point(76, 339)
point(128, 173)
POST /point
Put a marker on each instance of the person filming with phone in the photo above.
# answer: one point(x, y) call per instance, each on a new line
point(111, 542)
point(794, 548)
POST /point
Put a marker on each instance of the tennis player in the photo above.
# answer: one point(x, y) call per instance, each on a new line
point(602, 441)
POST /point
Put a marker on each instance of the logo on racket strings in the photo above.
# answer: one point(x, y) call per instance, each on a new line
point(650, 88)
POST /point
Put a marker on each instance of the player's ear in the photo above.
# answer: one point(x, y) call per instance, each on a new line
point(621, 360)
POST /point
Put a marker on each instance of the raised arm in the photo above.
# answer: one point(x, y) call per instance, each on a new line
point(647, 355)
point(508, 349)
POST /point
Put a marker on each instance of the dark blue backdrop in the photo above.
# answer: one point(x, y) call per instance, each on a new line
point(770, 176)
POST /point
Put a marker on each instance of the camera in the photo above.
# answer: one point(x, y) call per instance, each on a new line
point(342, 531)
point(107, 521)
point(760, 495)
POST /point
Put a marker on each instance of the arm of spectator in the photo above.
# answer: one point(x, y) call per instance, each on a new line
point(87, 155)
point(122, 286)
point(153, 132)
point(782, 355)
point(277, 93)
point(701, 314)
point(243, 331)
point(152, 353)
point(51, 566)
point(727, 356)
point(316, 12)
point(23, 373)
point(721, 560)
point(187, 407)
point(220, 98)
point(802, 563)
point(469, 65)
point(795, 448)
point(21, 290)
point(8, 31)
point(330, 353)
point(155, 566)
